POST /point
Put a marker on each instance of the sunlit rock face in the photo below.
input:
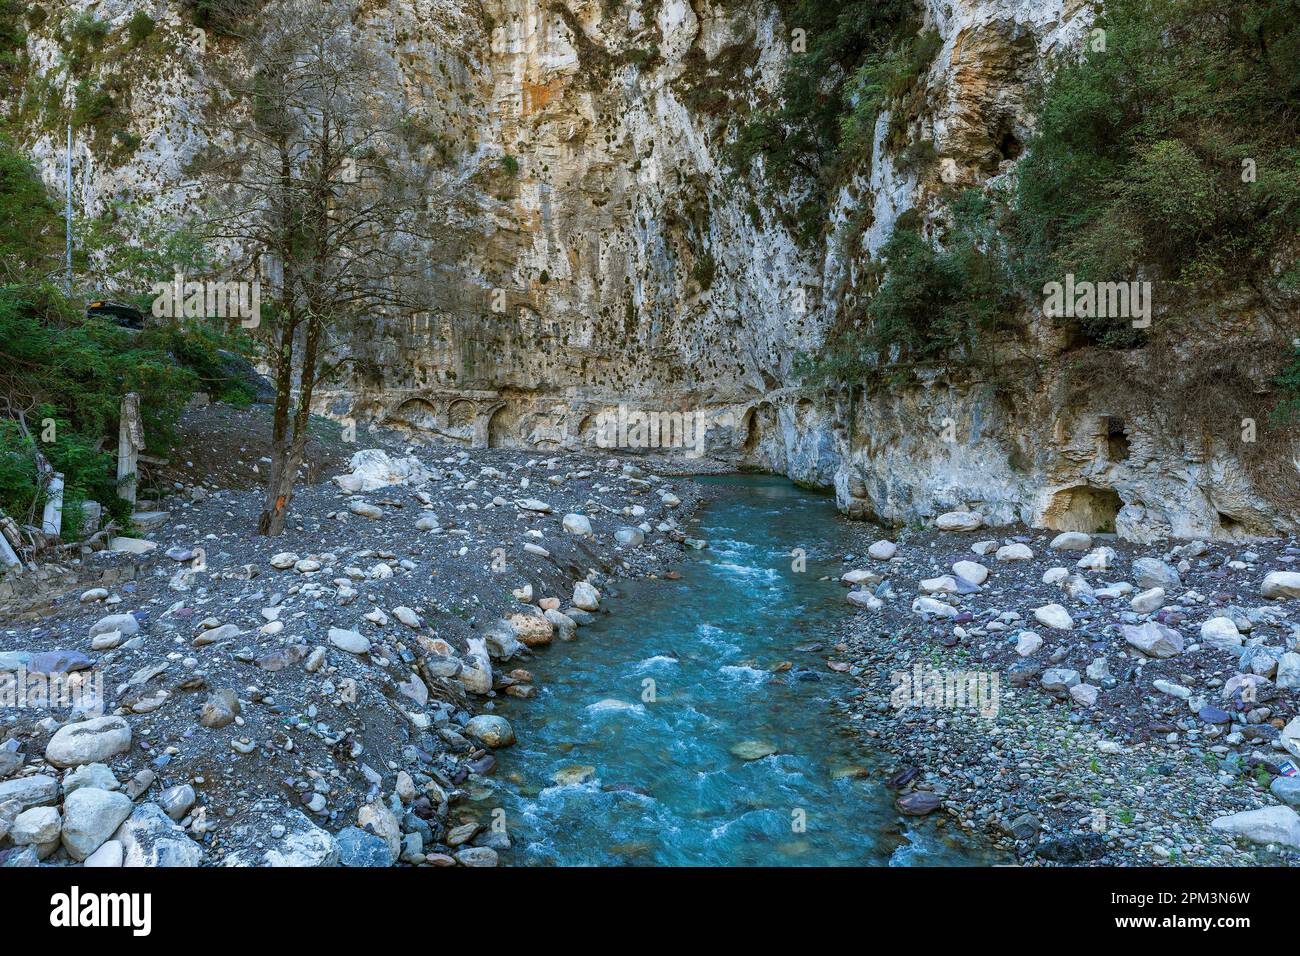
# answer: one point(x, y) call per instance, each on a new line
point(613, 263)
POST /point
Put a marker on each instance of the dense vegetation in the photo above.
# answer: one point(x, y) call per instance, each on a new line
point(1172, 156)
point(859, 54)
point(63, 374)
point(1174, 152)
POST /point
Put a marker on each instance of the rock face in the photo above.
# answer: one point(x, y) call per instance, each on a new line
point(615, 264)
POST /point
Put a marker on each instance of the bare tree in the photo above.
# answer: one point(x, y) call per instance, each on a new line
point(308, 180)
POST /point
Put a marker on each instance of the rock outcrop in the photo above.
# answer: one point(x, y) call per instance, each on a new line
point(615, 266)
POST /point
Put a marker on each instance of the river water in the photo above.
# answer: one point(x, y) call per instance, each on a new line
point(625, 757)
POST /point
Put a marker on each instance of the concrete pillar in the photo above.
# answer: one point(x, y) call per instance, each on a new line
point(130, 441)
point(52, 520)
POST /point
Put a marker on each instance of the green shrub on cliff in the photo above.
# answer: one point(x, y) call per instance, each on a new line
point(1169, 152)
point(934, 304)
point(801, 140)
point(1173, 152)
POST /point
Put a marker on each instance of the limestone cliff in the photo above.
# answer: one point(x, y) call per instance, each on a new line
point(616, 260)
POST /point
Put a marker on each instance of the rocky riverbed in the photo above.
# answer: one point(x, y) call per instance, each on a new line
point(1078, 699)
point(322, 697)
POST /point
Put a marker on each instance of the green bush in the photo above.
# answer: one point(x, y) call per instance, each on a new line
point(30, 230)
point(140, 27)
point(934, 302)
point(1169, 156)
point(64, 368)
point(205, 349)
point(13, 38)
point(802, 141)
point(1287, 412)
point(83, 37)
point(1142, 155)
point(890, 80)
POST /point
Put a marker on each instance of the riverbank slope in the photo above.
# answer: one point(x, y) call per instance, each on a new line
point(1122, 704)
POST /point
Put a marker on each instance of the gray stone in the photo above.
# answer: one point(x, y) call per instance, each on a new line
point(1288, 671)
point(350, 641)
point(364, 509)
point(11, 758)
point(124, 624)
point(1281, 584)
point(177, 801)
point(476, 856)
point(90, 817)
point(33, 791)
point(629, 537)
point(1154, 573)
point(96, 775)
point(1277, 824)
point(1153, 639)
point(576, 524)
point(215, 635)
point(585, 596)
point(358, 848)
point(882, 550)
point(108, 856)
point(1054, 616)
point(959, 521)
point(1286, 789)
point(565, 627)
point(91, 741)
point(220, 709)
point(1148, 601)
point(36, 826)
point(150, 838)
point(1058, 680)
point(304, 845)
point(491, 730)
point(1221, 633)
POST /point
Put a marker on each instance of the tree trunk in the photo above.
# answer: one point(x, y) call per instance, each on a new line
point(279, 491)
point(279, 485)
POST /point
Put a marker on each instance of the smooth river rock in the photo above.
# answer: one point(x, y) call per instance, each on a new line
point(90, 741)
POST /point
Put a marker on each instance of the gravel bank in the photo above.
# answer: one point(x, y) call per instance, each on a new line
point(1070, 744)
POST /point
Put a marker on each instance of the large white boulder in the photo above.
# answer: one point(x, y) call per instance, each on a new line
point(151, 838)
point(1278, 824)
point(372, 469)
point(1071, 541)
point(1054, 616)
point(90, 741)
point(1154, 639)
point(1281, 584)
point(1220, 632)
point(959, 521)
point(90, 817)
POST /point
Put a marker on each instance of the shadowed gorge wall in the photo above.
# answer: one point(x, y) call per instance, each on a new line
point(615, 257)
